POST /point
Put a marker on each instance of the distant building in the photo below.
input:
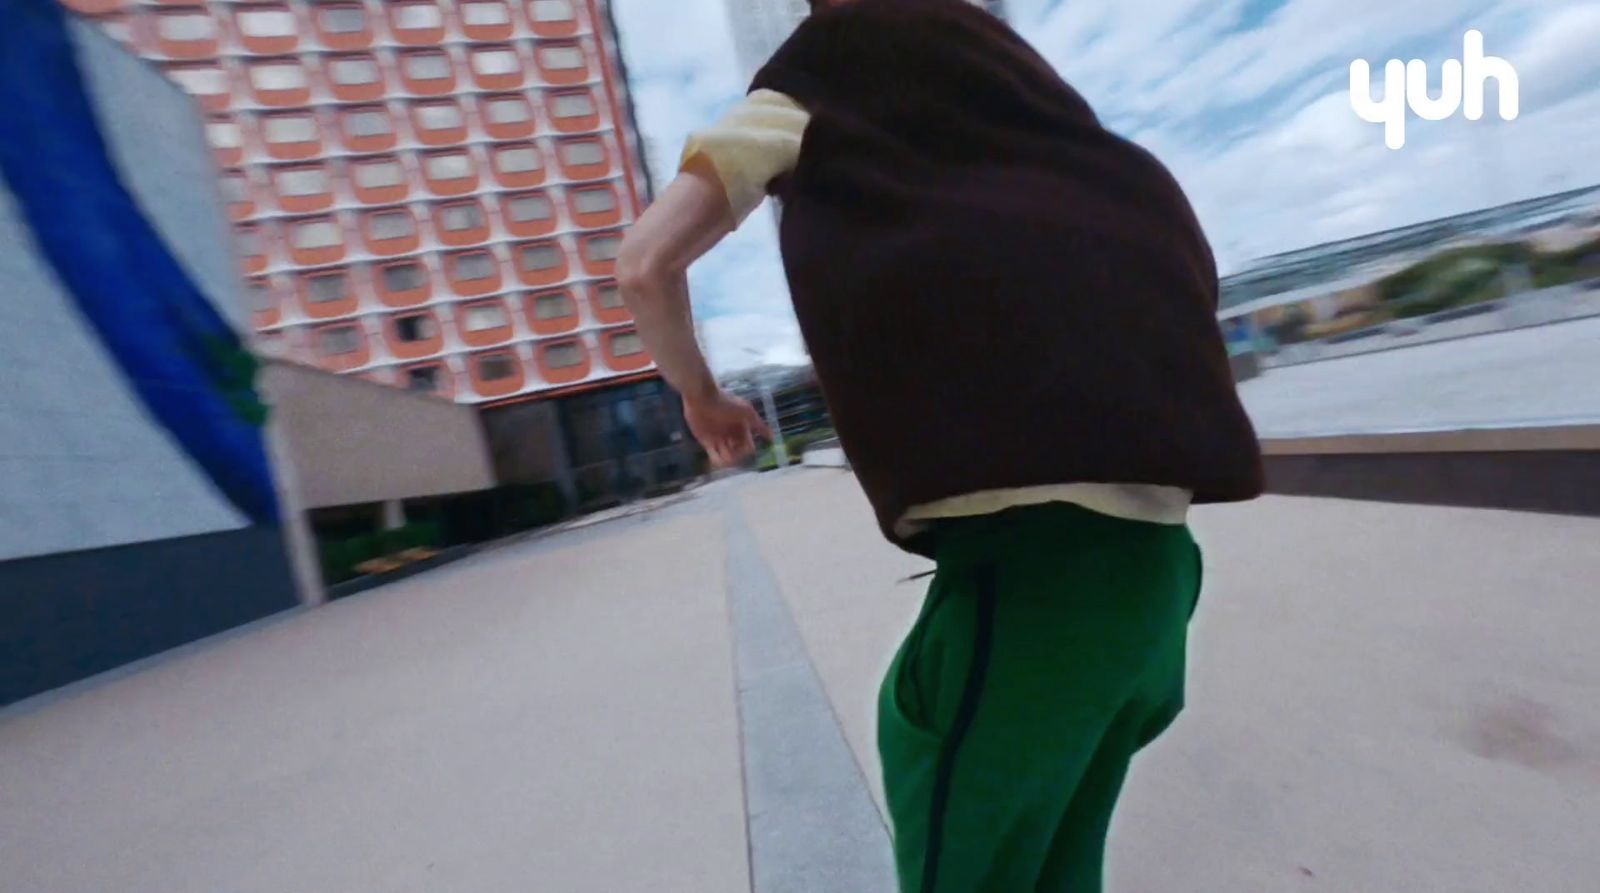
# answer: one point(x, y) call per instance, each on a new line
point(1335, 266)
point(429, 194)
point(1333, 290)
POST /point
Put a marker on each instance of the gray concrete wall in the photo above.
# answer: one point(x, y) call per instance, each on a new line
point(82, 465)
point(527, 446)
point(353, 441)
point(114, 545)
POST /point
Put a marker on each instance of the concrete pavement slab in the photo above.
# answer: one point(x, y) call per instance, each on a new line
point(1381, 698)
point(540, 719)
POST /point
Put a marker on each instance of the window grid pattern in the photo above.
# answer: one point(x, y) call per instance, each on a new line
point(315, 103)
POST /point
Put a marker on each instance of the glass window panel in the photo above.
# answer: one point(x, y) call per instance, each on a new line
point(267, 23)
point(454, 166)
point(519, 160)
point(485, 14)
point(478, 265)
point(352, 71)
point(553, 306)
point(561, 58)
point(540, 257)
point(289, 129)
point(529, 208)
point(375, 174)
point(317, 234)
point(326, 287)
point(392, 225)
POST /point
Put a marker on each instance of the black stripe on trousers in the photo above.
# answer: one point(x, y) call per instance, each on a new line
point(971, 693)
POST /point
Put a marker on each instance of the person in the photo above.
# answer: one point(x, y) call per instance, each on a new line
point(1012, 315)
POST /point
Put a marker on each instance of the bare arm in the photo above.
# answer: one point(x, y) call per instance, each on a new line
point(687, 220)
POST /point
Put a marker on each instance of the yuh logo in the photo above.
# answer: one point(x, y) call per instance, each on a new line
point(1462, 84)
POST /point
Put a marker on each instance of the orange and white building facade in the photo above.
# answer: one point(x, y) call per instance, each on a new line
point(427, 193)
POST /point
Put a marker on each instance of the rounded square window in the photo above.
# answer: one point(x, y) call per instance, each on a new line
point(423, 379)
point(562, 57)
point(318, 233)
point(626, 344)
point(462, 217)
point(395, 224)
point(583, 152)
point(596, 200)
point(278, 75)
point(564, 355)
point(496, 61)
point(507, 110)
point(602, 248)
point(496, 366)
point(475, 265)
point(289, 128)
point(342, 19)
point(200, 80)
point(415, 327)
point(610, 296)
point(323, 288)
point(353, 71)
point(553, 305)
point(519, 160)
point(187, 26)
point(224, 134)
point(338, 340)
point(378, 174)
point(482, 317)
point(267, 23)
point(302, 181)
point(552, 11)
point(540, 257)
point(368, 122)
point(404, 277)
point(448, 166)
point(438, 116)
point(417, 16)
point(572, 105)
point(485, 12)
point(532, 207)
point(427, 66)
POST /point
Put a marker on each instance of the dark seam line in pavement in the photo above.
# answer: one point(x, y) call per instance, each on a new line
point(801, 845)
point(970, 695)
point(738, 692)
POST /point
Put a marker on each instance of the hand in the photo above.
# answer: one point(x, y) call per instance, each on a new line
point(725, 425)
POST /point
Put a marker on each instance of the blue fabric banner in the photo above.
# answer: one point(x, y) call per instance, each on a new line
point(182, 358)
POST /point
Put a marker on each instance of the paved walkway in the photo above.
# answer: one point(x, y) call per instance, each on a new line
point(1383, 698)
point(1543, 375)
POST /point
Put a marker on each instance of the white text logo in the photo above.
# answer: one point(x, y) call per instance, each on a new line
point(1461, 87)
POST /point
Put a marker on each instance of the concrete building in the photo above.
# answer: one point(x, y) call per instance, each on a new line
point(426, 193)
point(429, 194)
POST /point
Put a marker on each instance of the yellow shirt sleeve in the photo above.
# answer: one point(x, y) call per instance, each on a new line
point(757, 140)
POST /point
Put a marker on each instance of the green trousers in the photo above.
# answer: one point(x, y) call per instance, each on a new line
point(1049, 650)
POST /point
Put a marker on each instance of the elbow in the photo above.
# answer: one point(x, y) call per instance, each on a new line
point(639, 271)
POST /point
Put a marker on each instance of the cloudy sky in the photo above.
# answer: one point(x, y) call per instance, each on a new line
point(1246, 100)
